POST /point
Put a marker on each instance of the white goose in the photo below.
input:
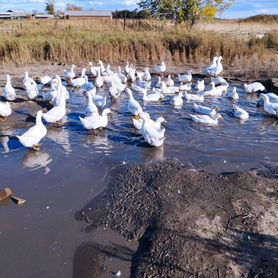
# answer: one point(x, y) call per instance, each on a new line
point(146, 75)
point(93, 69)
point(5, 110)
point(99, 101)
point(122, 77)
point(131, 73)
point(9, 91)
point(216, 70)
point(219, 81)
point(269, 107)
point(200, 86)
point(99, 80)
point(70, 73)
point(169, 81)
point(185, 87)
point(272, 98)
point(177, 100)
point(153, 136)
point(254, 87)
point(91, 107)
point(212, 66)
point(240, 113)
point(33, 135)
point(194, 97)
point(205, 119)
point(138, 122)
point(156, 96)
point(160, 68)
point(31, 90)
point(57, 113)
point(216, 91)
point(45, 79)
point(96, 121)
point(80, 81)
point(233, 94)
point(127, 68)
point(133, 105)
point(205, 110)
point(27, 78)
point(185, 78)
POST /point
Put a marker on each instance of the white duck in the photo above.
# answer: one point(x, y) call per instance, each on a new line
point(33, 135)
point(156, 96)
point(91, 107)
point(133, 105)
point(31, 89)
point(80, 81)
point(153, 136)
point(96, 121)
point(205, 119)
point(269, 107)
point(204, 110)
point(177, 100)
point(216, 70)
point(57, 113)
point(169, 81)
point(254, 87)
point(146, 75)
point(219, 81)
point(272, 98)
point(45, 79)
point(200, 86)
point(185, 78)
point(132, 73)
point(194, 97)
point(212, 66)
point(99, 80)
point(127, 68)
point(216, 91)
point(70, 73)
point(99, 101)
point(9, 91)
point(138, 122)
point(233, 94)
point(121, 76)
point(185, 87)
point(160, 68)
point(93, 69)
point(240, 113)
point(27, 78)
point(5, 109)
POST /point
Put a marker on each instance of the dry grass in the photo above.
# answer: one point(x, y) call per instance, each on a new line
point(80, 41)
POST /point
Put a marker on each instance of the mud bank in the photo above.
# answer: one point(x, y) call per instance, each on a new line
point(192, 223)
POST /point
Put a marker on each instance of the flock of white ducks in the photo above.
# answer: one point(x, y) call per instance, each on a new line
point(141, 83)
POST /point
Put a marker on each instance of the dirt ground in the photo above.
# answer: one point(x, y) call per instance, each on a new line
point(191, 223)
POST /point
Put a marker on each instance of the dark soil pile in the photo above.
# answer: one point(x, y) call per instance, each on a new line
point(195, 224)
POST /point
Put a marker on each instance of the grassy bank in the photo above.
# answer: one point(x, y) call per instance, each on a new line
point(78, 44)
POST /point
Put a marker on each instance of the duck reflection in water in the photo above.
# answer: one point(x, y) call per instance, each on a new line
point(60, 136)
point(36, 160)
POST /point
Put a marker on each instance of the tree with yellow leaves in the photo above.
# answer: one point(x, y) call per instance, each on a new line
point(190, 11)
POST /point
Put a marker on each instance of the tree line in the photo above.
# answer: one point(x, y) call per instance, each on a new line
point(190, 11)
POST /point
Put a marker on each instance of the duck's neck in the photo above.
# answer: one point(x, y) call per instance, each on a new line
point(39, 119)
point(90, 98)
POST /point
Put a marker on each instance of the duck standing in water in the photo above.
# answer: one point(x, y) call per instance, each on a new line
point(33, 135)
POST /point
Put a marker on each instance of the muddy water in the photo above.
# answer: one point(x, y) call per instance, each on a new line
point(42, 238)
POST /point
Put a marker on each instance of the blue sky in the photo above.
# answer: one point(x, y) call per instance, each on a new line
point(241, 8)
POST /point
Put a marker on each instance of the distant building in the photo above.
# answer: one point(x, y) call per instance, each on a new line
point(88, 14)
point(13, 14)
point(43, 16)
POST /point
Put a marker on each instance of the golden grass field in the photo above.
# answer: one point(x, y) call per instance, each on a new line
point(247, 45)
